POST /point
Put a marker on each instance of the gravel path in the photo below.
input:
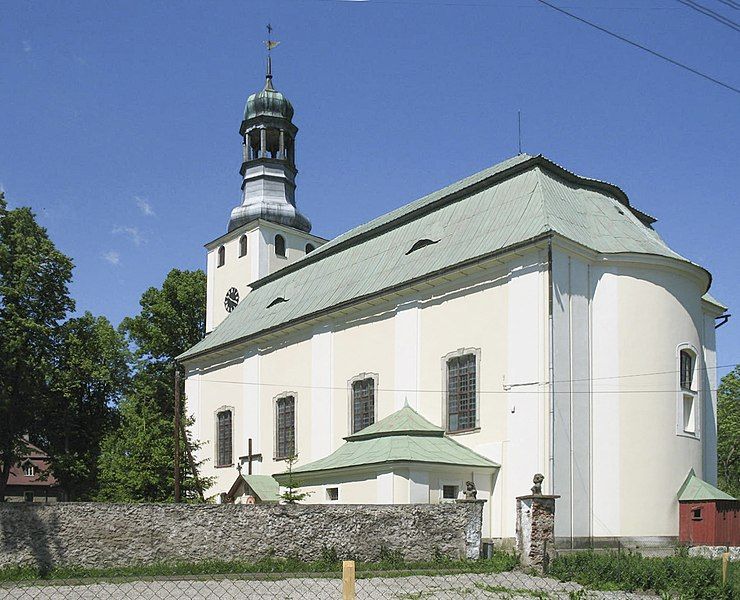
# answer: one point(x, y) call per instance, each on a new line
point(503, 586)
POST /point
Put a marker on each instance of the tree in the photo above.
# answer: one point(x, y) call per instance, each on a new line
point(292, 494)
point(728, 432)
point(34, 298)
point(90, 375)
point(137, 459)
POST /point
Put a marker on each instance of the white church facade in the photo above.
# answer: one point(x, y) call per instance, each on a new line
point(522, 320)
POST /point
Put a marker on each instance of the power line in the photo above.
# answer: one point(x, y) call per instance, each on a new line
point(730, 3)
point(711, 14)
point(504, 391)
point(641, 47)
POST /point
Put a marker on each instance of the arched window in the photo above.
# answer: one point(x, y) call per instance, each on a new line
point(689, 413)
point(243, 246)
point(280, 245)
point(461, 379)
point(223, 438)
point(362, 401)
point(285, 426)
point(310, 248)
point(221, 256)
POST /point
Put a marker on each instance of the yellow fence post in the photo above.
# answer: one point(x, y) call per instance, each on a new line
point(725, 564)
point(348, 580)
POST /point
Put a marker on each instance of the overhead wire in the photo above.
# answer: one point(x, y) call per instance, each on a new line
point(504, 391)
point(711, 14)
point(641, 47)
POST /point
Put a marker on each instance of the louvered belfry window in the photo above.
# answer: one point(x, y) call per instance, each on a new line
point(285, 427)
point(363, 403)
point(223, 440)
point(461, 397)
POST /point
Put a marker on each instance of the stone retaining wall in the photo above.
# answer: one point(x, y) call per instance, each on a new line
point(102, 535)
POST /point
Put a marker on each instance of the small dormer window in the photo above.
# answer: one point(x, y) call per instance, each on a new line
point(310, 248)
point(280, 245)
point(421, 244)
point(221, 256)
point(243, 246)
point(278, 300)
point(29, 470)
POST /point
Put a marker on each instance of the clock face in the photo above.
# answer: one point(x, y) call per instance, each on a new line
point(231, 299)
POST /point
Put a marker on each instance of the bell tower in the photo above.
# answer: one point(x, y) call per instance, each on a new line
point(268, 168)
point(266, 231)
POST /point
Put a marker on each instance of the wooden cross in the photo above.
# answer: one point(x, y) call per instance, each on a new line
point(250, 457)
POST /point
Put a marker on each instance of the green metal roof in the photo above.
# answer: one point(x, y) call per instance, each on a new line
point(406, 420)
point(514, 203)
point(694, 489)
point(402, 437)
point(264, 486)
point(712, 300)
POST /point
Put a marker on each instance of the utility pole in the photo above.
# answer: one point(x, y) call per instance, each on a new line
point(177, 433)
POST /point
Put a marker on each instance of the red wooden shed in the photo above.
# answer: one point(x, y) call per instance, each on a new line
point(707, 516)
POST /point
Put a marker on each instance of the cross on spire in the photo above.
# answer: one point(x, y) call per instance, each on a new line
point(269, 44)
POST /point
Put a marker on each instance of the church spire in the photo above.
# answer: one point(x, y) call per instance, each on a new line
point(268, 167)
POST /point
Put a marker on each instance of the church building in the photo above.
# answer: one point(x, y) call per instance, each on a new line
point(525, 319)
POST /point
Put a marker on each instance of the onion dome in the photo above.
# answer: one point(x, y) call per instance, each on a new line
point(269, 102)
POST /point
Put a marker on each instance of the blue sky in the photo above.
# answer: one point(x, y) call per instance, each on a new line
point(119, 122)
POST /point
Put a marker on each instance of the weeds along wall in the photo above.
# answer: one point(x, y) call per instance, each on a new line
point(105, 535)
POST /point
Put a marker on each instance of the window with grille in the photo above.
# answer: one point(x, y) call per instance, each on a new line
point(223, 439)
point(687, 370)
point(461, 393)
point(363, 403)
point(285, 427)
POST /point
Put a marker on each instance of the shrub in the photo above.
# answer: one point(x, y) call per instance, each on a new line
point(679, 575)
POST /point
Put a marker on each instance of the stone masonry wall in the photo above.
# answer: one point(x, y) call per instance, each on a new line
point(102, 535)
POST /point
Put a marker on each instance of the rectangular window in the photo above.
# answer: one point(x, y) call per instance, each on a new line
point(223, 439)
point(687, 370)
point(363, 404)
point(461, 393)
point(285, 427)
point(332, 494)
point(28, 496)
point(449, 492)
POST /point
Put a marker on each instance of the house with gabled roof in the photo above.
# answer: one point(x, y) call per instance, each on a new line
point(522, 320)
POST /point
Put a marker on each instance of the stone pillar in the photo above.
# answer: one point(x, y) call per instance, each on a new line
point(263, 143)
point(281, 150)
point(535, 530)
point(474, 528)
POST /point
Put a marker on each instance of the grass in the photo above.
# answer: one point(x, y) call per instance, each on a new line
point(389, 565)
point(512, 592)
point(679, 576)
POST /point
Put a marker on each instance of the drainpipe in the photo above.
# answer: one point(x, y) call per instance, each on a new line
point(550, 366)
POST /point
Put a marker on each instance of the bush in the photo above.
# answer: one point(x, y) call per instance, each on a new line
point(680, 575)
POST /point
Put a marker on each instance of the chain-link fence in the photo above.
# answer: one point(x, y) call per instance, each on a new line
point(621, 573)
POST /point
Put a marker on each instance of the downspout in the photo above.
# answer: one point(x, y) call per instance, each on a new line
point(550, 366)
